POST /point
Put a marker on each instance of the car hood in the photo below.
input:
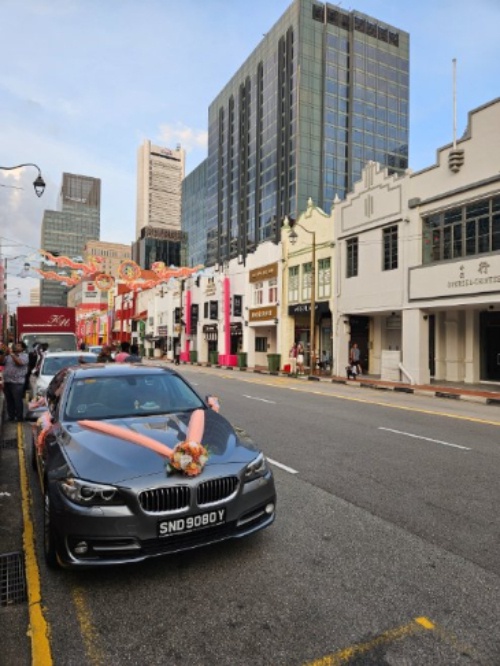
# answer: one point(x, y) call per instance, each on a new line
point(105, 458)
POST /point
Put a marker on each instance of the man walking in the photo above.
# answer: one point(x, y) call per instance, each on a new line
point(15, 364)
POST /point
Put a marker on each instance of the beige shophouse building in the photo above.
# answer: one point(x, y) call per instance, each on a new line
point(417, 264)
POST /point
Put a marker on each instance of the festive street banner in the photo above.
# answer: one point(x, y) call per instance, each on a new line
point(71, 271)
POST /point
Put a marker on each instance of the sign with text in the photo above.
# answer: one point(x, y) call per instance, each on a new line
point(260, 314)
point(264, 273)
point(458, 278)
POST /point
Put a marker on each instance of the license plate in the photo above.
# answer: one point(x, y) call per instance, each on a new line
point(190, 523)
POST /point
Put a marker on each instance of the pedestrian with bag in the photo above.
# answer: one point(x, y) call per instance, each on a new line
point(355, 358)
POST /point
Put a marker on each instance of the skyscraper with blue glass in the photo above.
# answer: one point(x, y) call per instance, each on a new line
point(325, 91)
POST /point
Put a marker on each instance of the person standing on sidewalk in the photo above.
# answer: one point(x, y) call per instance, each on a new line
point(355, 358)
point(300, 358)
point(15, 364)
point(293, 359)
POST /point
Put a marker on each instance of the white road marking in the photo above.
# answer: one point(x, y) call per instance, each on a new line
point(251, 397)
point(427, 439)
point(281, 466)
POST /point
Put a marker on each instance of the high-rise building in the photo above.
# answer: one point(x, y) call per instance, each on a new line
point(194, 214)
point(160, 172)
point(324, 92)
point(111, 255)
point(66, 231)
point(158, 245)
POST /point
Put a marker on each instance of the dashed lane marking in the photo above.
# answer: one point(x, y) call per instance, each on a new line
point(426, 439)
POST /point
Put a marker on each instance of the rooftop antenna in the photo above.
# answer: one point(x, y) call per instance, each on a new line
point(456, 155)
point(454, 103)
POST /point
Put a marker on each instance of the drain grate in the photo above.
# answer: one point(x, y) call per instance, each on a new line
point(8, 444)
point(12, 579)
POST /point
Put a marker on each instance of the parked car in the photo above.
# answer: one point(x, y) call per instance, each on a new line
point(51, 363)
point(135, 464)
point(95, 349)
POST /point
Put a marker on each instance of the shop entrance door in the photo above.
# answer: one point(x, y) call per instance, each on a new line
point(490, 346)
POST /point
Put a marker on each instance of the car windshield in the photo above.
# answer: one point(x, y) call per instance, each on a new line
point(109, 397)
point(54, 342)
point(53, 364)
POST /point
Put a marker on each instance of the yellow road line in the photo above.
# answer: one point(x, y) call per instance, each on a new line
point(337, 396)
point(39, 629)
point(344, 656)
point(88, 632)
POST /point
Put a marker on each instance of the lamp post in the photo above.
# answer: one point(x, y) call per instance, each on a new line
point(293, 236)
point(38, 184)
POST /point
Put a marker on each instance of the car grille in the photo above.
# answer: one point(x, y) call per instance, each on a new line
point(161, 500)
point(216, 490)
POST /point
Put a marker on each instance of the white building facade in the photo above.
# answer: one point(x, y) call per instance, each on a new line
point(417, 264)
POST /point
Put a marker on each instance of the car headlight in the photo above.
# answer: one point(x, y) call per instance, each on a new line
point(86, 493)
point(256, 468)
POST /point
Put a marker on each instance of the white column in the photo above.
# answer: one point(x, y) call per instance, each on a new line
point(472, 347)
point(341, 341)
point(454, 348)
point(415, 356)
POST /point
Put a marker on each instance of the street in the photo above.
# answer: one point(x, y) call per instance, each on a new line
point(384, 550)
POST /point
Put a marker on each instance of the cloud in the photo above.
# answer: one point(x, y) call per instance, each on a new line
point(189, 138)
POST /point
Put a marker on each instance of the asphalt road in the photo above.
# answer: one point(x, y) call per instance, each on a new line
point(385, 549)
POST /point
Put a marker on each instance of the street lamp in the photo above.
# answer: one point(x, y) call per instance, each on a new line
point(38, 184)
point(293, 236)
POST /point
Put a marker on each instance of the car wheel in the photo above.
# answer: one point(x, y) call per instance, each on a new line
point(49, 541)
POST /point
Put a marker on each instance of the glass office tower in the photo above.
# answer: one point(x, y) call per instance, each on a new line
point(325, 91)
point(66, 231)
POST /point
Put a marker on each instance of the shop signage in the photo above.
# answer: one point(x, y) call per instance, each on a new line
point(163, 331)
point(259, 314)
point(460, 278)
point(322, 307)
point(264, 273)
point(236, 329)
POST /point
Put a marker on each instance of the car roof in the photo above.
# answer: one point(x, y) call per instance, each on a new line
point(119, 369)
point(49, 354)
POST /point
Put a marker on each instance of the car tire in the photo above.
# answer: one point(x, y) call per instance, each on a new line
point(49, 540)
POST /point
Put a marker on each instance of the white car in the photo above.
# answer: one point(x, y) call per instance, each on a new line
point(51, 363)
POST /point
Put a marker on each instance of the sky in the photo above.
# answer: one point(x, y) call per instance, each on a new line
point(84, 82)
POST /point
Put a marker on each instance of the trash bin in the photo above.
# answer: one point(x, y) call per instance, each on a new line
point(213, 357)
point(242, 360)
point(273, 362)
point(193, 356)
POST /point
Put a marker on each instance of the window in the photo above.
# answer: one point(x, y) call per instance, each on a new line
point(352, 257)
point(260, 344)
point(464, 231)
point(324, 278)
point(390, 248)
point(293, 284)
point(258, 293)
point(273, 291)
point(306, 281)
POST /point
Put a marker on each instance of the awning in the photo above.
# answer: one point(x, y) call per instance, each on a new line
point(236, 329)
point(210, 331)
point(141, 316)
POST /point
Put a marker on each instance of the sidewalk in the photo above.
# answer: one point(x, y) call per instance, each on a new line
point(485, 393)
